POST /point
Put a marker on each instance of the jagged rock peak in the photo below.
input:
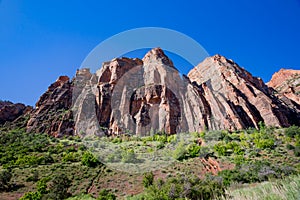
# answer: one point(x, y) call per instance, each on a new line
point(238, 99)
point(286, 83)
point(281, 76)
point(157, 55)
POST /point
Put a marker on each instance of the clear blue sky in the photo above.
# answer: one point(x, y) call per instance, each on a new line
point(41, 40)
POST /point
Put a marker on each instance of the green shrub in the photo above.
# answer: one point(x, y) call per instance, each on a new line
point(106, 195)
point(292, 131)
point(5, 177)
point(89, 159)
point(180, 152)
point(148, 179)
point(71, 157)
point(184, 187)
point(128, 156)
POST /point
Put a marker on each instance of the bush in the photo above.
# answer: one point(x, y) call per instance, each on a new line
point(128, 156)
point(292, 131)
point(106, 195)
point(5, 177)
point(59, 187)
point(89, 159)
point(148, 179)
point(180, 151)
point(184, 187)
point(71, 157)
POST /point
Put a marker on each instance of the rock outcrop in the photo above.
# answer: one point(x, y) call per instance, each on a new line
point(133, 96)
point(237, 99)
point(286, 83)
point(52, 114)
point(10, 111)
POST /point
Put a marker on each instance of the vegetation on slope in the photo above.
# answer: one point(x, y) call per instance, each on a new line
point(37, 166)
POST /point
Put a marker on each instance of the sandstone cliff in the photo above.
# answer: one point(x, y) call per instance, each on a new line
point(52, 114)
point(139, 97)
point(286, 83)
point(237, 99)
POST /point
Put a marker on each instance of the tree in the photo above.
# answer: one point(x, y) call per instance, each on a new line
point(89, 159)
point(59, 187)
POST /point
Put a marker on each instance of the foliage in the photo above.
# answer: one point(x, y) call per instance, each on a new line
point(148, 179)
point(287, 188)
point(41, 191)
point(59, 188)
point(89, 159)
point(255, 171)
point(223, 148)
point(106, 195)
point(292, 131)
point(5, 177)
point(184, 187)
point(180, 151)
point(128, 156)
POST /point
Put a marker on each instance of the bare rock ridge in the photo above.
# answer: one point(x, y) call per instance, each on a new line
point(52, 114)
point(237, 99)
point(137, 97)
point(10, 111)
point(286, 83)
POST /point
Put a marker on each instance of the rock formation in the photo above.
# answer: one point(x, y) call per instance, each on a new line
point(286, 83)
point(10, 111)
point(237, 99)
point(133, 96)
point(52, 114)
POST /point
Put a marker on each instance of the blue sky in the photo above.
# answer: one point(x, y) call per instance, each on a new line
point(41, 40)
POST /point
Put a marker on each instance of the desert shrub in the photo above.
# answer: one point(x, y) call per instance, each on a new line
point(34, 177)
point(193, 150)
point(128, 156)
point(31, 196)
point(180, 151)
point(292, 131)
point(58, 188)
point(290, 147)
point(5, 177)
point(41, 191)
point(255, 171)
point(183, 187)
point(223, 148)
point(297, 151)
point(70, 157)
point(148, 179)
point(264, 143)
point(89, 159)
point(106, 195)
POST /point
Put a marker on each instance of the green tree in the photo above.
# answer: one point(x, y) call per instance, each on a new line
point(89, 159)
point(59, 187)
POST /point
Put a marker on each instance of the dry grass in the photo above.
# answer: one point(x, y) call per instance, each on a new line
point(288, 189)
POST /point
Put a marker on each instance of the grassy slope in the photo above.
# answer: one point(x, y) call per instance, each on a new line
point(28, 154)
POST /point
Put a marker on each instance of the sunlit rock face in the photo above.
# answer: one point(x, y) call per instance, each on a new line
point(286, 85)
point(140, 97)
point(237, 99)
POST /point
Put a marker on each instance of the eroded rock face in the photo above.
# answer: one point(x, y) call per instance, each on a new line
point(10, 111)
point(52, 114)
point(237, 99)
point(133, 96)
point(286, 83)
